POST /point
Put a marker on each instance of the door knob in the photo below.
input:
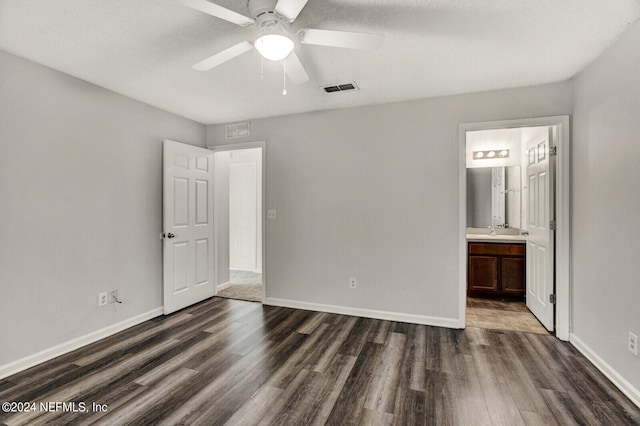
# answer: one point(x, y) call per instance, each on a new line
point(171, 235)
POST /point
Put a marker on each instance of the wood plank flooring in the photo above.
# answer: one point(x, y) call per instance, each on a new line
point(240, 363)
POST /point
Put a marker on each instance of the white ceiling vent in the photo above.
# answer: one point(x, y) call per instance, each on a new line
point(240, 130)
point(341, 87)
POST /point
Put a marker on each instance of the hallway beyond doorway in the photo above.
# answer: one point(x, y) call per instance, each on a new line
point(245, 285)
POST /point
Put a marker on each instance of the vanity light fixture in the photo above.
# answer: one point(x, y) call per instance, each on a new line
point(490, 154)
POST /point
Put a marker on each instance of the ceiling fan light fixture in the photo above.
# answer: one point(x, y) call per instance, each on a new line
point(274, 47)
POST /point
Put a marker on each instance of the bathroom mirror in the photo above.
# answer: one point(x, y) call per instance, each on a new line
point(494, 197)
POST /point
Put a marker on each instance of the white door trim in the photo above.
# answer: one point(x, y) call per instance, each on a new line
point(235, 147)
point(563, 259)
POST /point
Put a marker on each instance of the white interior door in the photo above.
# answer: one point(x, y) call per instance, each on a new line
point(243, 216)
point(188, 225)
point(540, 243)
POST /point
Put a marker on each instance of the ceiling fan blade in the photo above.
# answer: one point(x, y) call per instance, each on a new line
point(295, 70)
point(218, 11)
point(350, 40)
point(290, 9)
point(222, 57)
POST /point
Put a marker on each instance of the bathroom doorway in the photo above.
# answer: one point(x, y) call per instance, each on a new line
point(502, 221)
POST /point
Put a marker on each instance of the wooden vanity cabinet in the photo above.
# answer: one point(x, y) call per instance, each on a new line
point(496, 270)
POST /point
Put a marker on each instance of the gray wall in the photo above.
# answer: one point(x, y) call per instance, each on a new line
point(80, 205)
point(606, 205)
point(372, 193)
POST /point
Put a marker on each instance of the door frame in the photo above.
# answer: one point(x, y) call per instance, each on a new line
point(237, 147)
point(563, 200)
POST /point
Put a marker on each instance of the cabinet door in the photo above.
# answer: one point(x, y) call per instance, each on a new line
point(513, 275)
point(483, 273)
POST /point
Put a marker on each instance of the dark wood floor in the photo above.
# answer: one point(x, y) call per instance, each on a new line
point(226, 361)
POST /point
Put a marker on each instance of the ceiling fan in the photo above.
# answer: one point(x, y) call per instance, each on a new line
point(273, 19)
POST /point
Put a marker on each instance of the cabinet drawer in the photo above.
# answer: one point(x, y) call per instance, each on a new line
point(500, 249)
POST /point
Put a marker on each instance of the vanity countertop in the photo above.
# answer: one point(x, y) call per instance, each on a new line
point(486, 238)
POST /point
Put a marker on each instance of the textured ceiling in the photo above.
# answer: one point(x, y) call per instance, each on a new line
point(144, 49)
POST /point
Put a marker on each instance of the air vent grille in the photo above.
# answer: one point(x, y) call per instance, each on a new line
point(340, 87)
point(240, 130)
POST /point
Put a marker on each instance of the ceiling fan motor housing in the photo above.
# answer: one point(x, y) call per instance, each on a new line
point(262, 9)
point(266, 18)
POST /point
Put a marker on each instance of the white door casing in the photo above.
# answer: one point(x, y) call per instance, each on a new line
point(243, 216)
point(188, 253)
point(540, 213)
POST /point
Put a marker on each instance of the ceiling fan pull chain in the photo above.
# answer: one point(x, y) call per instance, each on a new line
point(261, 59)
point(261, 68)
point(284, 77)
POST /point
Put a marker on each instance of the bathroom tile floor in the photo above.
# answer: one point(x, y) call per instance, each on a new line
point(502, 315)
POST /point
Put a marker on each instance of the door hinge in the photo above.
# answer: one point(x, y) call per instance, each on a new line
point(552, 298)
point(553, 151)
point(553, 225)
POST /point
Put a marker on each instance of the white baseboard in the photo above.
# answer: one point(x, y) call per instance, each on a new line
point(367, 313)
point(73, 344)
point(223, 286)
point(620, 382)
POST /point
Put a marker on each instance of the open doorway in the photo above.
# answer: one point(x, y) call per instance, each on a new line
point(500, 270)
point(514, 213)
point(239, 191)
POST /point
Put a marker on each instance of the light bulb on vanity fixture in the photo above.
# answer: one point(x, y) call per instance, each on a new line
point(490, 154)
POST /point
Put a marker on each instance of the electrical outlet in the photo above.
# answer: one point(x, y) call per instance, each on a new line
point(113, 296)
point(633, 343)
point(352, 282)
point(271, 214)
point(103, 299)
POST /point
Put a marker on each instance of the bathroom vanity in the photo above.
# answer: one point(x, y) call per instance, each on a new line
point(497, 266)
point(497, 262)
